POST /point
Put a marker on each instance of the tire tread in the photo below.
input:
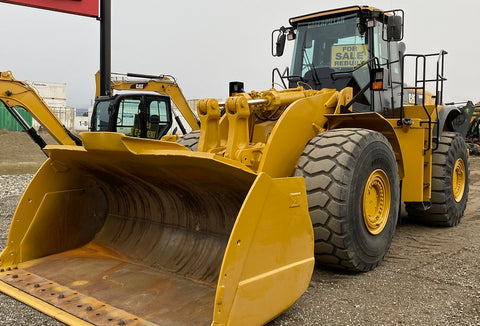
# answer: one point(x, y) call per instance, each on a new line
point(324, 167)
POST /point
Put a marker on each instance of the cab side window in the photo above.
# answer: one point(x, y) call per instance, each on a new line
point(102, 116)
point(129, 117)
point(381, 48)
point(158, 118)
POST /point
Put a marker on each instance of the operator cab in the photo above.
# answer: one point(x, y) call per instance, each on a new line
point(344, 48)
point(142, 114)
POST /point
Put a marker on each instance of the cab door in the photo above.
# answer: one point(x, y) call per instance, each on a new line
point(158, 116)
point(386, 101)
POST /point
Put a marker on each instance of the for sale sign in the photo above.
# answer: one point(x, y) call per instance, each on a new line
point(77, 7)
point(348, 55)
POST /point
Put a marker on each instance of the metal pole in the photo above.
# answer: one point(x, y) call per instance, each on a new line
point(105, 46)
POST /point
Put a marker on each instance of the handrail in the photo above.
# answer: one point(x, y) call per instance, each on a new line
point(276, 70)
point(283, 76)
point(420, 84)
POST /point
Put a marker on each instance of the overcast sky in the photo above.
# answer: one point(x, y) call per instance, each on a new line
point(206, 44)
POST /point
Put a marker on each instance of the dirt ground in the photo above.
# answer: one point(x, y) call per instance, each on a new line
point(431, 275)
point(19, 154)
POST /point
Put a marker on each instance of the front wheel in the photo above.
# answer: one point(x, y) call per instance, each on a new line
point(353, 194)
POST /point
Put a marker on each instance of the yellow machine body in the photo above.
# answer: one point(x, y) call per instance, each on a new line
point(130, 231)
point(147, 231)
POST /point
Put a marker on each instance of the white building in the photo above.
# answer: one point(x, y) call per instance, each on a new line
point(55, 96)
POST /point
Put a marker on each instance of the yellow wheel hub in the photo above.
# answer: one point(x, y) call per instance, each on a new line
point(376, 201)
point(458, 180)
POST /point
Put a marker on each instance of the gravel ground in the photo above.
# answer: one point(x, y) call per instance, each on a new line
point(431, 276)
point(13, 312)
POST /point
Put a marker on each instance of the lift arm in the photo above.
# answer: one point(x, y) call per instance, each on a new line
point(17, 93)
point(160, 84)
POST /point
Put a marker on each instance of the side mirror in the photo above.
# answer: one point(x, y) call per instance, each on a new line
point(281, 37)
point(280, 45)
point(394, 28)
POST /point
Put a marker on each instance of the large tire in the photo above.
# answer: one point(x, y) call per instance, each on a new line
point(190, 140)
point(450, 179)
point(353, 193)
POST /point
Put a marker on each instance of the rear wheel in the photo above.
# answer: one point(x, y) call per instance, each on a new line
point(190, 140)
point(352, 184)
point(450, 178)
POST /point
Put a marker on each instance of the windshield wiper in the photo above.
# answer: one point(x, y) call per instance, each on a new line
point(316, 79)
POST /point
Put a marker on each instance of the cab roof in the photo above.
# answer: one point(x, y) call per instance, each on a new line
point(333, 12)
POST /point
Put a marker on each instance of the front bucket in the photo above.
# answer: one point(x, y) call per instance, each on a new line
point(128, 231)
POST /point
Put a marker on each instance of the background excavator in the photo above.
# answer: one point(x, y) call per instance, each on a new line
point(146, 114)
point(137, 113)
point(225, 229)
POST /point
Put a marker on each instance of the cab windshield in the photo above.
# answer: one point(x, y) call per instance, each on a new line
point(329, 45)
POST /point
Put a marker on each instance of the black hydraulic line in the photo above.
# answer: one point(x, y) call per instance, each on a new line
point(131, 74)
point(36, 138)
point(180, 124)
point(33, 133)
point(28, 129)
point(77, 140)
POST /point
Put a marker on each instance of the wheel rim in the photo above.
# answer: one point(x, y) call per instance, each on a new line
point(458, 182)
point(376, 202)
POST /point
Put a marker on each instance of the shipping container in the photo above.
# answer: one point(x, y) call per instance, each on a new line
point(8, 122)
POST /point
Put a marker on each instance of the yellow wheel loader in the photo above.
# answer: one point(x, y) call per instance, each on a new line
point(225, 229)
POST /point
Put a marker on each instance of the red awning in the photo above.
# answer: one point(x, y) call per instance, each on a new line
point(78, 7)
